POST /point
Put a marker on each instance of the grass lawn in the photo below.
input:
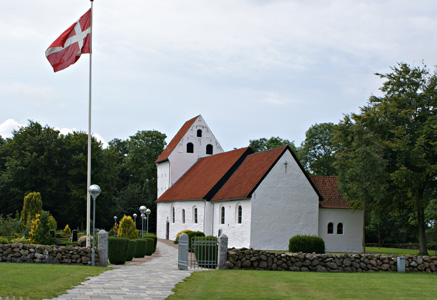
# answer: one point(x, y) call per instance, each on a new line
point(397, 251)
point(247, 284)
point(38, 281)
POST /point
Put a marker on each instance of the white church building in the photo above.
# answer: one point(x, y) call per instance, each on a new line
point(259, 200)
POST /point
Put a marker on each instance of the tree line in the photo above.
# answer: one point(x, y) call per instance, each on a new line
point(384, 156)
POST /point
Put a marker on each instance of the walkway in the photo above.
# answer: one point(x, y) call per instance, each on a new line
point(152, 279)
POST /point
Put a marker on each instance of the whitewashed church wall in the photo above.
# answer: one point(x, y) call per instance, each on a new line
point(238, 233)
point(351, 238)
point(165, 212)
point(163, 179)
point(283, 205)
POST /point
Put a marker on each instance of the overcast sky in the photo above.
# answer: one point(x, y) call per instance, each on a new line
point(252, 69)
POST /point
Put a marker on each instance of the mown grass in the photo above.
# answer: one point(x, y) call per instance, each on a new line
point(38, 281)
point(397, 251)
point(248, 284)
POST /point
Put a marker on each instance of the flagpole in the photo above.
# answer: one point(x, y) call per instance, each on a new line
point(88, 182)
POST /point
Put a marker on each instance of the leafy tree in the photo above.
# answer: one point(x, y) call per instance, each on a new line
point(32, 206)
point(317, 151)
point(10, 225)
point(264, 144)
point(127, 228)
point(39, 231)
point(397, 156)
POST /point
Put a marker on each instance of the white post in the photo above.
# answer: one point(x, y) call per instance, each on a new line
point(88, 184)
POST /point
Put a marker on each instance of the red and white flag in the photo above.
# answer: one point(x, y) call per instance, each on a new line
point(68, 47)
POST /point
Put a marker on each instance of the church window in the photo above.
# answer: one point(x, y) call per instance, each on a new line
point(240, 214)
point(173, 215)
point(330, 228)
point(183, 216)
point(340, 228)
point(190, 148)
point(199, 132)
point(222, 215)
point(209, 149)
point(195, 215)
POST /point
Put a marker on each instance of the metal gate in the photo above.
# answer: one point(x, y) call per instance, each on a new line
point(203, 253)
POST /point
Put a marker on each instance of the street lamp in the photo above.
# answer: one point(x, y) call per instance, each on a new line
point(94, 191)
point(148, 211)
point(142, 210)
point(115, 220)
point(135, 220)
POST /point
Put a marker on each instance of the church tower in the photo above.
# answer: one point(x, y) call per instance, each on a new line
point(193, 141)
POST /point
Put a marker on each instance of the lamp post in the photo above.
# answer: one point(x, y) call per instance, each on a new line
point(115, 220)
point(135, 220)
point(142, 210)
point(94, 191)
point(148, 211)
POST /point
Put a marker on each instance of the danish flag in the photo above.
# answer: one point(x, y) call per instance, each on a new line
point(68, 47)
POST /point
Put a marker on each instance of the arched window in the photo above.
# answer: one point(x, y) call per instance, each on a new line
point(195, 215)
point(183, 216)
point(240, 214)
point(330, 228)
point(199, 132)
point(173, 217)
point(190, 148)
point(222, 215)
point(209, 149)
point(340, 228)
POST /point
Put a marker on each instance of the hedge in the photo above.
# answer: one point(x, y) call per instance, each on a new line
point(306, 244)
point(141, 248)
point(130, 251)
point(117, 250)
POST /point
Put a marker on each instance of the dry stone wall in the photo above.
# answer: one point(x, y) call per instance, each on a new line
point(46, 254)
point(262, 260)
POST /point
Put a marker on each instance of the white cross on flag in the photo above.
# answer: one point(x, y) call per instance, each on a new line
point(68, 47)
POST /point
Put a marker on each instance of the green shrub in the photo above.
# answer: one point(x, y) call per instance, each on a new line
point(130, 251)
point(4, 240)
point(10, 226)
point(127, 228)
point(206, 255)
point(67, 230)
point(193, 234)
point(32, 206)
point(39, 230)
point(117, 250)
point(155, 239)
point(141, 248)
point(306, 244)
point(150, 246)
point(52, 223)
point(19, 240)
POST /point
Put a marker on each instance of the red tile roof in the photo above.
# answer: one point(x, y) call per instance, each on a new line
point(174, 142)
point(328, 188)
point(249, 175)
point(203, 179)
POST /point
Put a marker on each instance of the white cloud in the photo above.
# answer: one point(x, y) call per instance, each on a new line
point(8, 126)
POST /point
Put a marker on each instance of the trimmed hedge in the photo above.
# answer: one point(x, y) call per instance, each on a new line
point(150, 246)
point(154, 237)
point(130, 251)
point(306, 244)
point(206, 255)
point(117, 250)
point(141, 248)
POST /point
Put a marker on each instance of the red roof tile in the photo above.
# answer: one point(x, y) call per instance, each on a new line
point(174, 142)
point(249, 175)
point(205, 176)
point(328, 188)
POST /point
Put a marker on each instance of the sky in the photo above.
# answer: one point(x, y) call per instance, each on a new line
point(251, 68)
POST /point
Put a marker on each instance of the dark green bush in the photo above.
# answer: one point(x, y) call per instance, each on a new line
point(141, 248)
point(117, 250)
point(150, 246)
point(4, 240)
point(130, 251)
point(306, 244)
point(205, 253)
point(154, 237)
point(192, 234)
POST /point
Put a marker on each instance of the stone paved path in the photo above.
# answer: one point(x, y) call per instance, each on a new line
point(153, 279)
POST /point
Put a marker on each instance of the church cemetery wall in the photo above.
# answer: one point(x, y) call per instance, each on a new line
point(46, 254)
point(262, 260)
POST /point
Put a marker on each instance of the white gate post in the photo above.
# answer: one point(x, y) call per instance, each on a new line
point(223, 250)
point(183, 252)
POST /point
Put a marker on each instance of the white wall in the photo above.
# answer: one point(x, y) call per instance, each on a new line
point(283, 205)
point(164, 212)
point(238, 234)
point(351, 239)
point(163, 179)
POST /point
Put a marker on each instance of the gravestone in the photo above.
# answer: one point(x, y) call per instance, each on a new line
point(52, 233)
point(74, 236)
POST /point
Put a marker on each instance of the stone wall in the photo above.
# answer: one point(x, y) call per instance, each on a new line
point(46, 254)
point(262, 260)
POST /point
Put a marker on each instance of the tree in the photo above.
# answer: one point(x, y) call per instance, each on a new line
point(32, 206)
point(127, 228)
point(264, 144)
point(402, 151)
point(39, 231)
point(317, 151)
